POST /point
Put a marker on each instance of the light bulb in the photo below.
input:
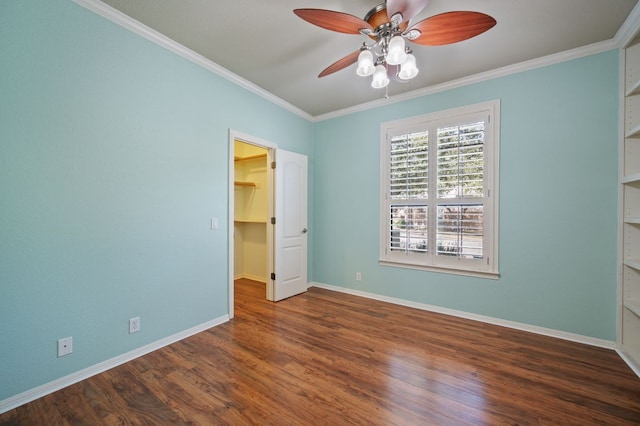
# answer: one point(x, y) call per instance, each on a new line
point(396, 54)
point(380, 79)
point(408, 69)
point(365, 64)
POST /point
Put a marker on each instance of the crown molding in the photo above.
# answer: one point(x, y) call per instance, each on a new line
point(625, 34)
point(152, 35)
point(544, 61)
point(629, 28)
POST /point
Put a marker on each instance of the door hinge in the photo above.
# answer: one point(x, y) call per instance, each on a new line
point(273, 220)
point(273, 164)
point(273, 276)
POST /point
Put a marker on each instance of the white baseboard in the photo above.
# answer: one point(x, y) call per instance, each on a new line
point(461, 314)
point(250, 277)
point(40, 391)
point(629, 361)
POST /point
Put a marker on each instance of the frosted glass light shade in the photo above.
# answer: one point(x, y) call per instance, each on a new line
point(380, 79)
point(396, 54)
point(365, 64)
point(408, 69)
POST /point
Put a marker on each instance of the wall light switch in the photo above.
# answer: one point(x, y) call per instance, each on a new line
point(214, 223)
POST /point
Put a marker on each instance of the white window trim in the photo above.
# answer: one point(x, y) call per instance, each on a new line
point(488, 268)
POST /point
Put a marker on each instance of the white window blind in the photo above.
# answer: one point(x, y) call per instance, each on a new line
point(409, 159)
point(439, 190)
point(461, 176)
point(461, 161)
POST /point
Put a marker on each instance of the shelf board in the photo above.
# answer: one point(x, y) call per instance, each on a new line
point(633, 133)
point(631, 178)
point(249, 221)
point(632, 220)
point(633, 306)
point(238, 183)
point(634, 89)
point(250, 157)
point(633, 263)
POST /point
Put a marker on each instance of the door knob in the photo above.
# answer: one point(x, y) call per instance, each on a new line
point(304, 230)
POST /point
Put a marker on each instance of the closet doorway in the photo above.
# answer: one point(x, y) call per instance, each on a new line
point(267, 217)
point(252, 202)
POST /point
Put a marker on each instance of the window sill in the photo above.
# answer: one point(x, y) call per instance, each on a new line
point(465, 272)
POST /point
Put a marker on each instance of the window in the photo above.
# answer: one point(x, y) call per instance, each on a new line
point(439, 183)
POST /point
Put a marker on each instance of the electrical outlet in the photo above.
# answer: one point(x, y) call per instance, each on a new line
point(358, 276)
point(134, 325)
point(65, 346)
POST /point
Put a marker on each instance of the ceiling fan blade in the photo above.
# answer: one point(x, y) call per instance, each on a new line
point(334, 21)
point(351, 58)
point(407, 9)
point(449, 27)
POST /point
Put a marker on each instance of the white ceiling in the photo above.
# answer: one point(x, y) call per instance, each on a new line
point(266, 44)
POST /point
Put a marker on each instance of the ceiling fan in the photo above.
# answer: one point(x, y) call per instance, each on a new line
point(388, 25)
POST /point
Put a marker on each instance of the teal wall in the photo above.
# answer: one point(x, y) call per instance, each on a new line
point(558, 201)
point(113, 159)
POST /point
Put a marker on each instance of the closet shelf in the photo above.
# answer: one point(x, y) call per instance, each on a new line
point(249, 221)
point(633, 306)
point(250, 184)
point(632, 220)
point(250, 157)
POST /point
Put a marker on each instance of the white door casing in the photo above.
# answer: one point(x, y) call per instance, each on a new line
point(270, 147)
point(290, 229)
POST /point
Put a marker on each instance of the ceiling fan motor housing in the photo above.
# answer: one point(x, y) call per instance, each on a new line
point(379, 21)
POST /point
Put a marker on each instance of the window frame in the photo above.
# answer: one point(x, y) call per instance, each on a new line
point(487, 266)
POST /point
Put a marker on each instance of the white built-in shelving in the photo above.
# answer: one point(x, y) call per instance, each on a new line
point(629, 306)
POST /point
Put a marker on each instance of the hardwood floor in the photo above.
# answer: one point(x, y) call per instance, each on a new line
point(325, 358)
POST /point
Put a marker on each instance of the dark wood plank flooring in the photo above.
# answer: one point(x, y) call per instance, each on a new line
point(325, 358)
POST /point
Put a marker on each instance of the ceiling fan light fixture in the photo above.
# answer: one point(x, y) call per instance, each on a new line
point(397, 53)
point(365, 64)
point(380, 78)
point(408, 69)
point(390, 25)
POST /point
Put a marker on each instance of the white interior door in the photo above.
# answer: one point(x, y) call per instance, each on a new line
point(290, 257)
